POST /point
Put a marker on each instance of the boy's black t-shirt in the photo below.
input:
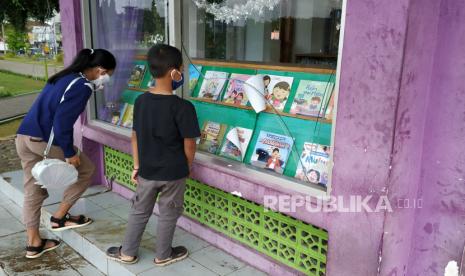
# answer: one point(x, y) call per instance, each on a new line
point(161, 123)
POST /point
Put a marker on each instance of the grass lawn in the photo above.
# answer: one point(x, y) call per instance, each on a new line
point(16, 84)
point(10, 128)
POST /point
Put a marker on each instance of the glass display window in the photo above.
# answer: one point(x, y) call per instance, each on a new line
point(289, 47)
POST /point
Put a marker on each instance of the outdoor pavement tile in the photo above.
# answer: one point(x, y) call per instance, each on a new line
point(12, 257)
point(77, 261)
point(14, 210)
point(191, 242)
point(10, 226)
point(122, 211)
point(184, 267)
point(83, 206)
point(217, 260)
point(145, 263)
point(109, 199)
point(4, 213)
point(247, 271)
point(92, 252)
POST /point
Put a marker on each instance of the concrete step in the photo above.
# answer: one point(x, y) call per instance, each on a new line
point(110, 213)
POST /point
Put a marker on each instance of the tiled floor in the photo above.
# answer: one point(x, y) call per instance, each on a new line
point(110, 212)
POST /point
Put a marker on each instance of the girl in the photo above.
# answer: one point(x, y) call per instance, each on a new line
point(89, 71)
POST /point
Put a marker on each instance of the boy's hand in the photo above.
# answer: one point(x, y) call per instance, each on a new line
point(135, 173)
point(75, 160)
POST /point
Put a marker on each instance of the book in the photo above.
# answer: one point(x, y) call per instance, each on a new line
point(151, 83)
point(235, 93)
point(272, 151)
point(236, 142)
point(122, 110)
point(314, 164)
point(137, 74)
point(211, 136)
point(212, 85)
point(277, 90)
point(194, 75)
point(311, 98)
point(128, 116)
point(330, 108)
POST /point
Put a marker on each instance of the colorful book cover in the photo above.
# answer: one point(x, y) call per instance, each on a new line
point(277, 90)
point(151, 83)
point(330, 109)
point(212, 136)
point(314, 163)
point(236, 143)
point(118, 116)
point(235, 93)
point(311, 98)
point(212, 85)
point(128, 116)
point(194, 75)
point(272, 151)
point(137, 74)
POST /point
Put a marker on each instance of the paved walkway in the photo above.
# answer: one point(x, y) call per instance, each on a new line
point(35, 70)
point(17, 105)
point(110, 212)
point(63, 261)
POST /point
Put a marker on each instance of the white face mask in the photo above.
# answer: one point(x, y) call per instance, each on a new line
point(101, 81)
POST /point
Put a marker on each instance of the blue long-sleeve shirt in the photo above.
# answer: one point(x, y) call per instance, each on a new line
point(47, 111)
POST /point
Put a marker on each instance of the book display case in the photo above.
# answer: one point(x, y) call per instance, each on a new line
point(300, 130)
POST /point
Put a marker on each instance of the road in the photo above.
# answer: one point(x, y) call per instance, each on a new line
point(35, 70)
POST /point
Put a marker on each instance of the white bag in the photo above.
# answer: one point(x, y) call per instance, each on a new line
point(55, 173)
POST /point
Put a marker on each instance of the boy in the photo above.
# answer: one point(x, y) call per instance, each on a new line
point(163, 145)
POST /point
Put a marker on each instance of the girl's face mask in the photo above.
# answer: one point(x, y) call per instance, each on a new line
point(101, 81)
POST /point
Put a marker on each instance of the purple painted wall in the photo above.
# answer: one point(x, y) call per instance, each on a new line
point(400, 132)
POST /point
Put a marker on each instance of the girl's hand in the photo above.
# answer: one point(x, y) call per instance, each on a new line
point(135, 173)
point(75, 160)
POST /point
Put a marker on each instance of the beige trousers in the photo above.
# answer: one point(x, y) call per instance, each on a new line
point(30, 151)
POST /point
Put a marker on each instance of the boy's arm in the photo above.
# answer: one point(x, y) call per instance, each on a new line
point(189, 151)
point(135, 156)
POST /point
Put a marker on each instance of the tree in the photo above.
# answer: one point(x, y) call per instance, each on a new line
point(16, 40)
point(16, 12)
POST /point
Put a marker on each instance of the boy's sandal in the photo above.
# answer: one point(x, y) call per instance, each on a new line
point(78, 222)
point(114, 253)
point(40, 250)
point(177, 253)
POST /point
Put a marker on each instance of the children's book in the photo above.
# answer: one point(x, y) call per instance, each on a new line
point(212, 136)
point(235, 93)
point(277, 90)
point(194, 75)
point(151, 83)
point(313, 166)
point(311, 98)
point(330, 108)
point(236, 143)
point(122, 110)
point(137, 74)
point(212, 85)
point(272, 151)
point(127, 119)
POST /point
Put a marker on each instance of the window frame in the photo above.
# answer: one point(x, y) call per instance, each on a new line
point(224, 165)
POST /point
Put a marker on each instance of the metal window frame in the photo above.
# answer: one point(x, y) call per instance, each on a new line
point(174, 38)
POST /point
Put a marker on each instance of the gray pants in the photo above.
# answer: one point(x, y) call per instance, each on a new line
point(170, 205)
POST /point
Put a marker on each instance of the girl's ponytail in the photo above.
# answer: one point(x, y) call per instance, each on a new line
point(87, 58)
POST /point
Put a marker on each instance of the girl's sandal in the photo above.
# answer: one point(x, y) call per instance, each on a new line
point(79, 222)
point(40, 250)
point(114, 253)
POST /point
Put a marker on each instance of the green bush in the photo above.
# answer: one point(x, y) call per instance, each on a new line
point(4, 93)
point(59, 57)
point(10, 54)
point(2, 58)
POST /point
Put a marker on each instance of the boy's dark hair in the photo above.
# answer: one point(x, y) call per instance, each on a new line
point(275, 149)
point(87, 58)
point(266, 78)
point(161, 58)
